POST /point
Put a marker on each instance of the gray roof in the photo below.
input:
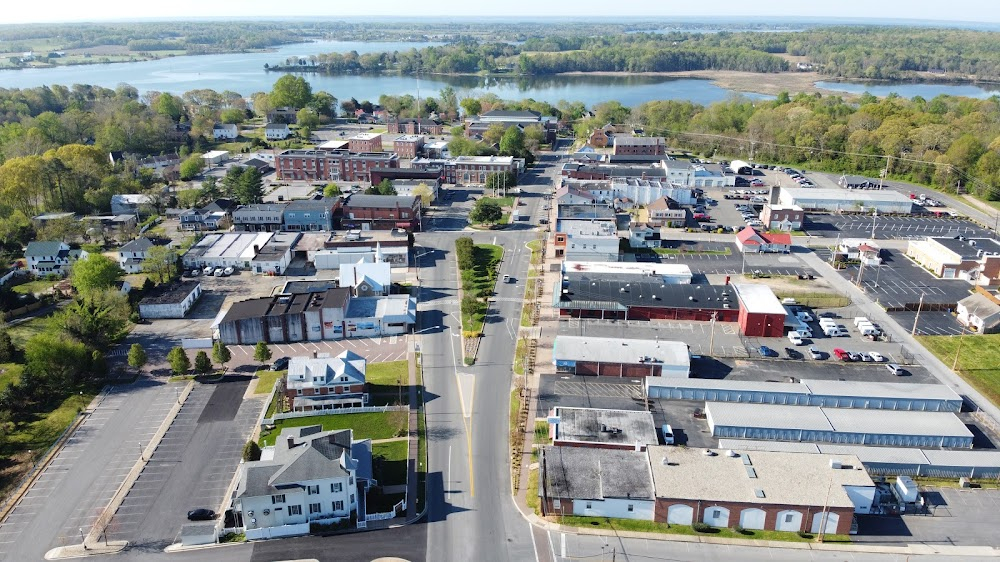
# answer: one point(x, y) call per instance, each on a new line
point(968, 248)
point(875, 390)
point(324, 204)
point(381, 201)
point(586, 291)
point(873, 455)
point(138, 245)
point(593, 425)
point(275, 127)
point(620, 350)
point(840, 420)
point(585, 473)
point(983, 307)
point(510, 114)
point(171, 294)
point(285, 304)
point(43, 248)
point(585, 212)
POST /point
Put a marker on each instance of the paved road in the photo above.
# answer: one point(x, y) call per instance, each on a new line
point(98, 457)
point(192, 467)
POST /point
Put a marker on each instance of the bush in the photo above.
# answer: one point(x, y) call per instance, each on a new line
point(739, 530)
point(464, 252)
point(702, 527)
point(804, 535)
point(251, 451)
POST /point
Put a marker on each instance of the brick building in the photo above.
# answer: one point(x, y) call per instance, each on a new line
point(382, 212)
point(326, 383)
point(619, 357)
point(642, 146)
point(331, 165)
point(408, 146)
point(365, 142)
point(431, 174)
point(761, 313)
point(422, 126)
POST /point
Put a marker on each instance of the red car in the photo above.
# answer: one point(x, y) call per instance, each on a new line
point(841, 354)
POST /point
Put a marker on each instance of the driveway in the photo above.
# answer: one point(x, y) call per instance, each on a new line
point(955, 517)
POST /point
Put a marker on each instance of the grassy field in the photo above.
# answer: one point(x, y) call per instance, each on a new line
point(978, 359)
point(655, 527)
point(815, 299)
point(25, 330)
point(10, 373)
point(390, 462)
point(480, 280)
point(36, 286)
point(372, 425)
point(265, 381)
point(505, 202)
point(388, 374)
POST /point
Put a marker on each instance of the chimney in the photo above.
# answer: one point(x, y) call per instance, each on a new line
point(291, 442)
point(315, 354)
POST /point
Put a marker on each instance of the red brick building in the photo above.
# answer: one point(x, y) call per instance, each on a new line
point(382, 212)
point(639, 146)
point(365, 142)
point(331, 165)
point(422, 126)
point(326, 383)
point(408, 146)
point(761, 314)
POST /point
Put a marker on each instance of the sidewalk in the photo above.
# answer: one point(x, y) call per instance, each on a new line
point(414, 439)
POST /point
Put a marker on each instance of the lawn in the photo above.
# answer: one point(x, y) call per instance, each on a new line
point(978, 359)
point(479, 282)
point(531, 492)
point(36, 286)
point(388, 374)
point(22, 332)
point(389, 462)
point(504, 202)
point(265, 381)
point(369, 425)
point(536, 251)
point(10, 373)
point(39, 434)
point(520, 352)
point(643, 526)
point(815, 299)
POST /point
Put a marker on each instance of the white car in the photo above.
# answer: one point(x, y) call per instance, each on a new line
point(208, 270)
point(228, 271)
point(219, 272)
point(865, 357)
point(876, 356)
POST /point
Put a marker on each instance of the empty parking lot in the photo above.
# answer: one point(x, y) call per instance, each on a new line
point(894, 227)
point(375, 350)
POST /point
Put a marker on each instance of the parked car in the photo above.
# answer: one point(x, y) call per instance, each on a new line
point(815, 353)
point(668, 434)
point(280, 364)
point(757, 183)
point(765, 351)
point(208, 270)
point(201, 514)
point(228, 271)
point(895, 369)
point(792, 354)
point(865, 357)
point(876, 356)
point(841, 354)
point(854, 356)
point(795, 337)
point(219, 272)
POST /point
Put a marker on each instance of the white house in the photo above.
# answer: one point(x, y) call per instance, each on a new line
point(225, 131)
point(129, 203)
point(51, 257)
point(367, 279)
point(277, 131)
point(326, 383)
point(173, 301)
point(979, 312)
point(131, 255)
point(308, 475)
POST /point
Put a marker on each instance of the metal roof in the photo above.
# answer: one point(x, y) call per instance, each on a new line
point(583, 290)
point(882, 455)
point(758, 299)
point(881, 390)
point(727, 385)
point(620, 350)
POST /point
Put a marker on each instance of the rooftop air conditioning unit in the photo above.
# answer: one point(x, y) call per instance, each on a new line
point(731, 453)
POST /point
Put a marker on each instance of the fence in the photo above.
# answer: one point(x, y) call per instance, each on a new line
point(364, 410)
point(396, 509)
point(277, 532)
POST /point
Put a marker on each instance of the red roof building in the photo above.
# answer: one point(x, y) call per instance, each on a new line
point(751, 240)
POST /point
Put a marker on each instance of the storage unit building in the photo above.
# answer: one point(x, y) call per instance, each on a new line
point(829, 394)
point(837, 425)
point(620, 357)
point(884, 201)
point(761, 313)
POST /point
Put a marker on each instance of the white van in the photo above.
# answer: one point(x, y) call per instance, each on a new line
point(795, 337)
point(832, 331)
point(668, 434)
point(788, 301)
point(804, 316)
point(858, 320)
point(804, 331)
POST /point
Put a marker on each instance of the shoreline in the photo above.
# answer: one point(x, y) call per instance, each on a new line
point(766, 83)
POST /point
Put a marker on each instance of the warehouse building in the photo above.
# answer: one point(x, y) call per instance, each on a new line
point(761, 314)
point(828, 394)
point(668, 273)
point(890, 461)
point(585, 295)
point(170, 301)
point(885, 201)
point(237, 249)
point(619, 357)
point(760, 490)
point(602, 429)
point(837, 425)
point(591, 482)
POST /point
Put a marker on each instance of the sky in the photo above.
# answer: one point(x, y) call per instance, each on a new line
point(98, 10)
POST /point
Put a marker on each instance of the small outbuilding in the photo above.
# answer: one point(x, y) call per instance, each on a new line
point(172, 301)
point(621, 357)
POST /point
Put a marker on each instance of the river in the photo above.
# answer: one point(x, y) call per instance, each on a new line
point(926, 90)
point(244, 73)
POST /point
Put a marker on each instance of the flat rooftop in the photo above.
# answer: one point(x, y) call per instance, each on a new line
point(872, 455)
point(968, 248)
point(758, 299)
point(171, 294)
point(845, 195)
point(757, 477)
point(591, 291)
point(840, 420)
point(629, 268)
point(620, 350)
point(585, 473)
point(593, 425)
point(585, 212)
point(409, 138)
point(335, 144)
point(230, 245)
point(588, 228)
point(366, 136)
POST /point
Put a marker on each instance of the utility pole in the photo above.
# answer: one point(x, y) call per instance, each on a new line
point(711, 341)
point(920, 305)
point(958, 351)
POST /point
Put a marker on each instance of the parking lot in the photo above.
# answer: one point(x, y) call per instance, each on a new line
point(900, 282)
point(890, 228)
point(375, 350)
point(191, 468)
point(954, 517)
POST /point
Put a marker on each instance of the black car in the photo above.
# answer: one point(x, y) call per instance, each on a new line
point(201, 514)
point(280, 364)
point(792, 353)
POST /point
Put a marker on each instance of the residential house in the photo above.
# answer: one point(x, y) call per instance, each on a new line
point(259, 217)
point(569, 195)
point(860, 250)
point(209, 217)
point(225, 131)
point(131, 255)
point(162, 165)
point(307, 475)
point(643, 235)
point(277, 131)
point(407, 187)
point(367, 279)
point(979, 312)
point(130, 204)
point(283, 115)
point(781, 217)
point(170, 301)
point(752, 240)
point(976, 260)
point(45, 257)
point(382, 212)
point(302, 215)
point(365, 142)
point(326, 384)
point(666, 212)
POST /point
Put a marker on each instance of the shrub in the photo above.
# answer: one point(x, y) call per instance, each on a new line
point(804, 535)
point(701, 527)
point(251, 451)
point(739, 530)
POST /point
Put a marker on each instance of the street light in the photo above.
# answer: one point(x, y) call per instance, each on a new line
point(917, 317)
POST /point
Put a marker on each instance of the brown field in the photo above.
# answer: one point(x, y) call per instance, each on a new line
point(757, 82)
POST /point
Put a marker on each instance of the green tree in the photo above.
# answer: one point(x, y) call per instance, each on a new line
point(8, 351)
point(98, 319)
point(171, 106)
point(331, 190)
point(137, 357)
point(191, 167)
point(261, 353)
point(471, 106)
point(324, 104)
point(233, 115)
point(244, 184)
point(501, 181)
point(95, 272)
point(382, 188)
point(180, 364)
point(161, 264)
point(486, 211)
point(291, 91)
point(308, 121)
point(251, 451)
point(423, 191)
point(512, 143)
point(202, 364)
point(58, 362)
point(221, 353)
point(495, 133)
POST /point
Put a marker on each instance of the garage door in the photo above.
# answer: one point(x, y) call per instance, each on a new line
point(716, 516)
point(831, 522)
point(680, 514)
point(752, 518)
point(789, 521)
